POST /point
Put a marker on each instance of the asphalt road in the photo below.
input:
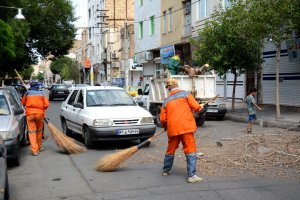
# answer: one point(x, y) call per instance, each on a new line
point(54, 175)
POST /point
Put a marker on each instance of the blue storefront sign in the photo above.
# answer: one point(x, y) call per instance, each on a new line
point(166, 53)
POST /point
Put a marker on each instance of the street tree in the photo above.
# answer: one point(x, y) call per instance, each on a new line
point(67, 68)
point(225, 44)
point(47, 30)
point(7, 41)
point(278, 21)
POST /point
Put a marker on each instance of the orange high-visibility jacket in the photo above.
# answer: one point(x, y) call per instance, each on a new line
point(35, 102)
point(177, 113)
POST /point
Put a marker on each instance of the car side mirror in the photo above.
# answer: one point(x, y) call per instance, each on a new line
point(140, 103)
point(18, 111)
point(140, 91)
point(78, 105)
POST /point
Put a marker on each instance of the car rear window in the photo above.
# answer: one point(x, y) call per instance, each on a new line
point(4, 109)
point(60, 87)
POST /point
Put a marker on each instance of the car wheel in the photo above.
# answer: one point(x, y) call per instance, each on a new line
point(6, 189)
point(50, 98)
point(87, 138)
point(16, 159)
point(157, 113)
point(65, 128)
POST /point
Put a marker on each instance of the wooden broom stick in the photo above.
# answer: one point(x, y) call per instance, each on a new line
point(112, 161)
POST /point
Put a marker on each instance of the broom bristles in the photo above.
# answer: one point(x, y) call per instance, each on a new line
point(65, 143)
point(111, 161)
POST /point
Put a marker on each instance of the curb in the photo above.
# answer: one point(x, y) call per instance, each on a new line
point(293, 126)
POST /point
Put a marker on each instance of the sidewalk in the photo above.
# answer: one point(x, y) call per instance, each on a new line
point(267, 117)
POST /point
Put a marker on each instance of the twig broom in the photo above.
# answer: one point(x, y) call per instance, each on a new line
point(111, 161)
point(64, 143)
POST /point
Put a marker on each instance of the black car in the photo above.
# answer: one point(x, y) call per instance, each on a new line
point(58, 91)
point(216, 110)
point(4, 187)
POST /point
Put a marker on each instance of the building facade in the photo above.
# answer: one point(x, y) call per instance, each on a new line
point(147, 40)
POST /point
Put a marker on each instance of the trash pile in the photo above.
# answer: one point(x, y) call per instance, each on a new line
point(269, 154)
point(258, 154)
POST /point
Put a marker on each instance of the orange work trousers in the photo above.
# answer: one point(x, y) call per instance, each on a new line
point(188, 143)
point(35, 124)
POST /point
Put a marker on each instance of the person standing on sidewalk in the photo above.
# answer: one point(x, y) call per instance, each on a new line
point(251, 106)
point(35, 104)
point(177, 118)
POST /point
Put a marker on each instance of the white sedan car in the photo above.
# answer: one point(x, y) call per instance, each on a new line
point(105, 113)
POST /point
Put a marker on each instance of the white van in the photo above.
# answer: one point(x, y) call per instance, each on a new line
point(105, 113)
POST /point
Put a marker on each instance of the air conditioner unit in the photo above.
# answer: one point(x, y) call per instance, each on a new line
point(148, 56)
point(114, 55)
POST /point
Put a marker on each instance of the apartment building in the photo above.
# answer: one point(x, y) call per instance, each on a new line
point(106, 18)
point(147, 39)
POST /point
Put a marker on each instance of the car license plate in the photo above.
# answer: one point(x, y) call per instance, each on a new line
point(212, 110)
point(128, 132)
point(61, 92)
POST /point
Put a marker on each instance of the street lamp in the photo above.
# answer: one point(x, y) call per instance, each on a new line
point(19, 16)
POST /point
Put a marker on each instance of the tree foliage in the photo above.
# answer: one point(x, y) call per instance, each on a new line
point(48, 29)
point(7, 41)
point(225, 43)
point(66, 68)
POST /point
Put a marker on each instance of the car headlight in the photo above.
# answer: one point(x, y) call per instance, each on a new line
point(147, 120)
point(6, 135)
point(222, 106)
point(102, 122)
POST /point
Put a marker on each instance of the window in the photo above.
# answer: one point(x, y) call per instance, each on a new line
point(141, 31)
point(165, 22)
point(151, 26)
point(89, 13)
point(202, 10)
point(141, 2)
point(170, 19)
point(90, 33)
point(4, 109)
point(72, 97)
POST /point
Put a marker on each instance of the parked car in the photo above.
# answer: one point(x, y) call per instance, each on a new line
point(105, 113)
point(4, 186)
point(20, 89)
point(12, 125)
point(216, 109)
point(58, 91)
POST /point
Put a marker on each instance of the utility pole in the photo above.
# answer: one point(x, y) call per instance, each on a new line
point(126, 47)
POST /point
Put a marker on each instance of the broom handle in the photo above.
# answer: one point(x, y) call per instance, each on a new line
point(46, 120)
point(210, 100)
point(146, 142)
point(21, 79)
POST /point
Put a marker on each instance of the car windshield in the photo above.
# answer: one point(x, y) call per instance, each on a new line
point(4, 109)
point(108, 98)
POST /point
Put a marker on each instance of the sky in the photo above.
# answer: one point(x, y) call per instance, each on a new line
point(81, 14)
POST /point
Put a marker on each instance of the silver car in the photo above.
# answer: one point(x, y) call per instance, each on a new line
point(12, 125)
point(4, 186)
